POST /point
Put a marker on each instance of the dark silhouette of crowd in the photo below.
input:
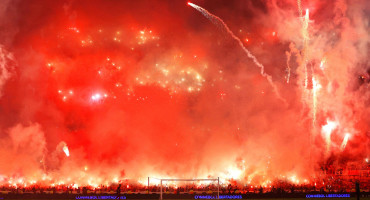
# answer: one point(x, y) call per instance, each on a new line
point(277, 187)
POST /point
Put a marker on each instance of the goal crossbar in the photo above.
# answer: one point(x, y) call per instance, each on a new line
point(194, 179)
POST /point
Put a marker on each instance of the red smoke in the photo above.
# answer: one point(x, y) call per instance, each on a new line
point(141, 88)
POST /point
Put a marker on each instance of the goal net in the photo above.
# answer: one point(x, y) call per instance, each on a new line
point(164, 181)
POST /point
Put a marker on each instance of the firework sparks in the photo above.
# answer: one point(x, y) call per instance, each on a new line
point(315, 88)
point(306, 47)
point(327, 131)
point(345, 140)
point(322, 64)
point(66, 150)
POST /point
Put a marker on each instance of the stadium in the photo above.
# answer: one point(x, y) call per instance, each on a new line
point(174, 99)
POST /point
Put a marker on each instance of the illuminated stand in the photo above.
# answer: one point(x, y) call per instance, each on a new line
point(217, 179)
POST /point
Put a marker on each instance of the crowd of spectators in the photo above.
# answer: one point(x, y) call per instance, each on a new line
point(278, 187)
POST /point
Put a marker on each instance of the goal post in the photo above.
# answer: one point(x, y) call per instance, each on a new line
point(195, 179)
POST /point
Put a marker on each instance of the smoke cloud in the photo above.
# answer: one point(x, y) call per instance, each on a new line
point(146, 88)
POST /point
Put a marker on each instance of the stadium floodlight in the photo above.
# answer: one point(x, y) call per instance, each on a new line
point(194, 179)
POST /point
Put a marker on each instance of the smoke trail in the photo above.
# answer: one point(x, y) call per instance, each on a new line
point(5, 66)
point(288, 55)
point(315, 88)
point(299, 8)
point(221, 24)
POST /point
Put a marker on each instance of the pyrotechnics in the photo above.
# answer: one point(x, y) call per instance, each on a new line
point(253, 92)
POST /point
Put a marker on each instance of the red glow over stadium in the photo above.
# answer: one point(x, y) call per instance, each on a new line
point(101, 92)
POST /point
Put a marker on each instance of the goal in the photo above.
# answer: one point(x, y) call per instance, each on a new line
point(165, 180)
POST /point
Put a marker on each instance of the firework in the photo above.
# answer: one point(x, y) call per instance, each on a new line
point(306, 46)
point(221, 24)
point(315, 88)
point(327, 130)
point(345, 140)
point(66, 150)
